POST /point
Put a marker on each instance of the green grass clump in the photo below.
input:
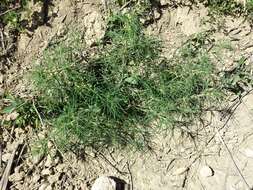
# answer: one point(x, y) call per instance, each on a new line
point(113, 97)
point(186, 85)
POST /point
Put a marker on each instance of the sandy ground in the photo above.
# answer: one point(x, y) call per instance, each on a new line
point(217, 154)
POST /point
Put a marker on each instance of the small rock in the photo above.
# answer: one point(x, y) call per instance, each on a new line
point(6, 157)
point(12, 116)
point(104, 183)
point(19, 133)
point(60, 167)
point(180, 171)
point(157, 15)
point(18, 169)
point(42, 135)
point(206, 171)
point(95, 26)
point(50, 145)
point(46, 171)
point(56, 160)
point(248, 152)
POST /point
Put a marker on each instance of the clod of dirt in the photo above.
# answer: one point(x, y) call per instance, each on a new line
point(95, 27)
point(17, 176)
point(188, 20)
point(104, 183)
point(12, 116)
point(206, 171)
point(46, 171)
point(5, 157)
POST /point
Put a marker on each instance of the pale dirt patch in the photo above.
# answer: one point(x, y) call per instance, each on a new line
point(177, 160)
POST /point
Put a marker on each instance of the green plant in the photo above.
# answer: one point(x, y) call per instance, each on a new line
point(238, 79)
point(225, 6)
point(24, 110)
point(230, 7)
point(12, 12)
point(114, 97)
point(187, 84)
point(17, 15)
point(143, 8)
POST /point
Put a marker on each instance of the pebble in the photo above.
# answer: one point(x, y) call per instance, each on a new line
point(12, 116)
point(60, 167)
point(50, 145)
point(56, 160)
point(6, 157)
point(104, 183)
point(206, 171)
point(46, 171)
point(19, 132)
point(180, 171)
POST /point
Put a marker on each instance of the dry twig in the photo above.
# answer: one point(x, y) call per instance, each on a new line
point(232, 109)
point(7, 171)
point(12, 9)
point(111, 164)
point(125, 5)
point(232, 158)
point(37, 112)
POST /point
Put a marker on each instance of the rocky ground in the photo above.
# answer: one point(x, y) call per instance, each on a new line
point(216, 154)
